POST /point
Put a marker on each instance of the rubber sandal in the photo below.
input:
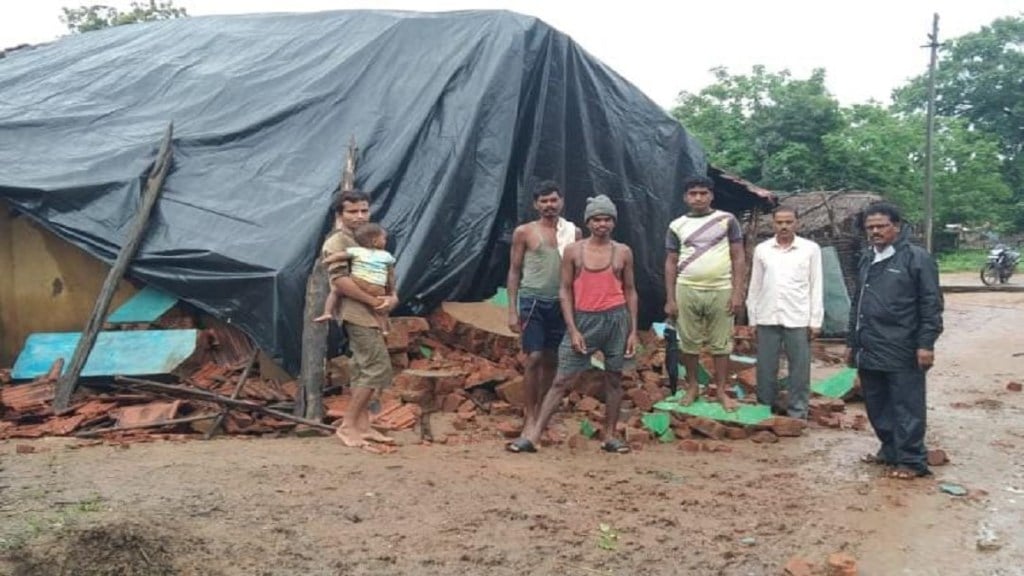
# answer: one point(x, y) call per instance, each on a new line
point(904, 473)
point(616, 446)
point(520, 445)
point(874, 460)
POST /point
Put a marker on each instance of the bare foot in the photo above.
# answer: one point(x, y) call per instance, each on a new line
point(375, 436)
point(322, 318)
point(691, 396)
point(351, 438)
point(727, 402)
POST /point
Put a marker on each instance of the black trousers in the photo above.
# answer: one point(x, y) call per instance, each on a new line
point(896, 408)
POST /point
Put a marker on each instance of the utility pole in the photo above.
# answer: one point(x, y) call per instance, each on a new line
point(929, 211)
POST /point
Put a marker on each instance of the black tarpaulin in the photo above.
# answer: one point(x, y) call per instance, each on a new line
point(457, 115)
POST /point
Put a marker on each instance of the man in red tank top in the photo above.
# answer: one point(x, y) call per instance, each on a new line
point(599, 304)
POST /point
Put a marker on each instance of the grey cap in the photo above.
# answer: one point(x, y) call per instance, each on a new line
point(600, 205)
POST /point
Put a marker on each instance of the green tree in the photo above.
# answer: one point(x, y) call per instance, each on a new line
point(98, 16)
point(980, 79)
point(767, 127)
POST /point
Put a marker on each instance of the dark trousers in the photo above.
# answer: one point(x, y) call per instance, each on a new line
point(896, 408)
point(798, 354)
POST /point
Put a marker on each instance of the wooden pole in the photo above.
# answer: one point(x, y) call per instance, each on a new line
point(234, 395)
point(313, 368)
point(176, 421)
point(66, 384)
point(184, 391)
point(929, 212)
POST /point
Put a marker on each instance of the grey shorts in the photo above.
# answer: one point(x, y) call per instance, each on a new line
point(606, 331)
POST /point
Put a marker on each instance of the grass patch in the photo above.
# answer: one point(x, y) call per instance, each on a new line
point(962, 261)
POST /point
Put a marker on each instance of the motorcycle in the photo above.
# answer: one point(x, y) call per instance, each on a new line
point(1001, 263)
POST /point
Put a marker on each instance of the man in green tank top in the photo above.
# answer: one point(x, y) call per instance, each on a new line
point(534, 276)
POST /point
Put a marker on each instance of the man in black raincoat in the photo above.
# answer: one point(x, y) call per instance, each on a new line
point(895, 319)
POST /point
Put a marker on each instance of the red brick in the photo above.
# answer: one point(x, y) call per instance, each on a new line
point(715, 447)
point(452, 402)
point(590, 383)
point(655, 392)
point(1014, 386)
point(640, 399)
point(637, 435)
point(589, 404)
point(785, 426)
point(449, 384)
point(577, 442)
point(708, 427)
point(797, 566)
point(829, 420)
point(147, 413)
point(467, 407)
point(509, 429)
point(25, 397)
point(498, 408)
point(397, 339)
point(747, 378)
point(689, 446)
point(860, 422)
point(764, 437)
point(842, 564)
point(399, 360)
point(512, 391)
point(736, 433)
point(937, 458)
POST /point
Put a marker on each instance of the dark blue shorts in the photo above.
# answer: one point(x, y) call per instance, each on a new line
point(541, 324)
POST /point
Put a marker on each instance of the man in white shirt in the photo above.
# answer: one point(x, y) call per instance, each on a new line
point(785, 306)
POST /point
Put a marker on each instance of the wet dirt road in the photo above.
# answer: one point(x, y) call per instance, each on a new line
point(308, 506)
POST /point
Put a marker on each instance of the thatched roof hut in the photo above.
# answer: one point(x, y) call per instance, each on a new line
point(830, 219)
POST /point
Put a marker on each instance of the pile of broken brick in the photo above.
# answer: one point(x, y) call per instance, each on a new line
point(442, 363)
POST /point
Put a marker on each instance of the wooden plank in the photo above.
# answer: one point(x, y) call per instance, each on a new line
point(161, 166)
point(185, 420)
point(146, 306)
point(312, 371)
point(187, 392)
point(133, 352)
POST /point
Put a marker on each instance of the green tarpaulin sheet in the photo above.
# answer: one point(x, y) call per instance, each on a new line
point(746, 414)
point(837, 299)
point(837, 385)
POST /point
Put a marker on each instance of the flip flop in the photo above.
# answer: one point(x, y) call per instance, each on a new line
point(616, 446)
point(520, 445)
point(874, 460)
point(904, 473)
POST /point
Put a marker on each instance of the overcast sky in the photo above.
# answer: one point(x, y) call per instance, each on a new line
point(868, 47)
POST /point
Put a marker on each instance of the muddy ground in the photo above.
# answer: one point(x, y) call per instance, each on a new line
point(308, 506)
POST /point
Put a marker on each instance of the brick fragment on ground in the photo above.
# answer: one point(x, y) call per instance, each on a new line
point(499, 408)
point(736, 433)
point(509, 429)
point(452, 402)
point(641, 399)
point(589, 404)
point(764, 437)
point(842, 564)
point(797, 566)
point(1014, 386)
point(937, 458)
point(707, 427)
point(512, 391)
point(785, 426)
point(689, 445)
